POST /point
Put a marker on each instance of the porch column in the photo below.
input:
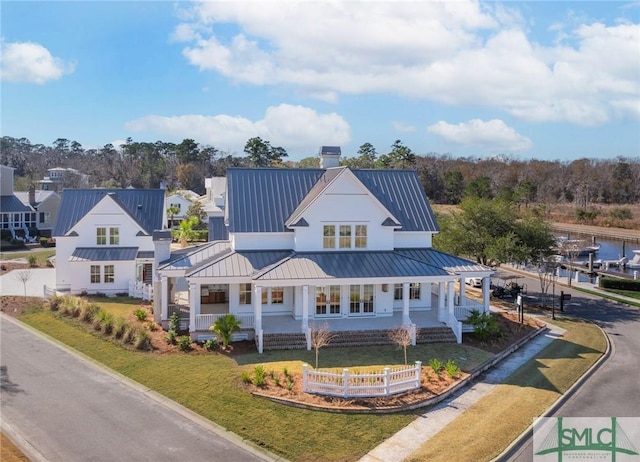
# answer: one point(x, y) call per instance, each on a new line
point(450, 292)
point(305, 307)
point(257, 310)
point(463, 290)
point(405, 303)
point(194, 304)
point(164, 298)
point(486, 292)
point(441, 297)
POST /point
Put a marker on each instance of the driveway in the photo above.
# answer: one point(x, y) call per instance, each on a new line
point(35, 279)
point(61, 407)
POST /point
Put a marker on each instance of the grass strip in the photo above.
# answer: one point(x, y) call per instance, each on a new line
point(9, 452)
point(41, 255)
point(209, 384)
point(503, 414)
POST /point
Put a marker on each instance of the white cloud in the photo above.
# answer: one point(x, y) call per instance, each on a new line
point(493, 136)
point(298, 129)
point(30, 62)
point(456, 53)
point(402, 127)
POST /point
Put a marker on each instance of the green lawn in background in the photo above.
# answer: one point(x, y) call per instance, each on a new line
point(42, 254)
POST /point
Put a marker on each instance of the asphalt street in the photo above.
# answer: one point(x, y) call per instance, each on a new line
point(64, 408)
point(613, 390)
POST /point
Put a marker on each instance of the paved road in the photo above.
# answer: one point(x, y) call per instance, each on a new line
point(613, 390)
point(67, 409)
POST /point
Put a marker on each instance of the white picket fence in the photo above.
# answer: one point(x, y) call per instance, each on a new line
point(138, 289)
point(346, 384)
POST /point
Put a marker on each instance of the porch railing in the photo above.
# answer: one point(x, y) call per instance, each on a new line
point(463, 310)
point(455, 325)
point(183, 310)
point(204, 321)
point(349, 384)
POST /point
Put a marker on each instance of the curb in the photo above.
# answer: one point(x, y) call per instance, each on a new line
point(157, 397)
point(516, 444)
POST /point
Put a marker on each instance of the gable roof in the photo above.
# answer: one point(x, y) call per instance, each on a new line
point(145, 206)
point(262, 199)
point(41, 195)
point(13, 204)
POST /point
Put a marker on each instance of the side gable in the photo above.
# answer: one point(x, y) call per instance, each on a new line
point(144, 206)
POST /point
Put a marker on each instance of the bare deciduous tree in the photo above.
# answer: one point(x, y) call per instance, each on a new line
point(320, 337)
point(401, 337)
point(24, 276)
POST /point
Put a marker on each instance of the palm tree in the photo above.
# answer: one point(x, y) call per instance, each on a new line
point(225, 326)
point(172, 211)
point(186, 230)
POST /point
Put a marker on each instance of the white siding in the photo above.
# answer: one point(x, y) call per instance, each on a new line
point(412, 239)
point(261, 241)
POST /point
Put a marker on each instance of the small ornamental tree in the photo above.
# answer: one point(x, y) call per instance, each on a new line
point(401, 337)
point(24, 276)
point(320, 337)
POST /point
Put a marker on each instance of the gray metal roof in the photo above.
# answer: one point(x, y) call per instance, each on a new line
point(401, 192)
point(193, 257)
point(349, 265)
point(262, 199)
point(240, 264)
point(13, 204)
point(451, 263)
point(217, 229)
point(145, 254)
point(103, 254)
point(145, 206)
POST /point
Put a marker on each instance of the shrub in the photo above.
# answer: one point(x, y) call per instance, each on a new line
point(210, 344)
point(451, 368)
point(174, 321)
point(43, 241)
point(259, 376)
point(184, 343)
point(107, 323)
point(142, 340)
point(172, 337)
point(32, 259)
point(55, 303)
point(89, 312)
point(620, 213)
point(246, 377)
point(484, 325)
point(130, 334)
point(436, 365)
point(140, 314)
point(119, 327)
point(98, 319)
point(225, 326)
point(152, 326)
point(289, 382)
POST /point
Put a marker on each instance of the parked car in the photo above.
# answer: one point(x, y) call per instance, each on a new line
point(473, 282)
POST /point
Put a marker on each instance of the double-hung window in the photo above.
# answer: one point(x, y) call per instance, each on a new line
point(95, 274)
point(114, 236)
point(245, 294)
point(109, 274)
point(101, 235)
point(329, 237)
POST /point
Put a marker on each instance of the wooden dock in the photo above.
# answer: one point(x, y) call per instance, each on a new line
point(632, 236)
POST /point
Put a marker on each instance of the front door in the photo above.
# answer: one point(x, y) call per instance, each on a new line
point(361, 300)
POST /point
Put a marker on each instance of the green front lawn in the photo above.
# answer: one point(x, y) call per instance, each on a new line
point(41, 254)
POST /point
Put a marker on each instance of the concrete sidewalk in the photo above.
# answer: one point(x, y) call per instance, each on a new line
point(409, 439)
point(11, 284)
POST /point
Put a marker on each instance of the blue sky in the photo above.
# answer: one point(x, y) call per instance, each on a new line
point(548, 80)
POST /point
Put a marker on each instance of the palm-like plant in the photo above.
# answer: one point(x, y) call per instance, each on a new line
point(186, 230)
point(225, 326)
point(172, 211)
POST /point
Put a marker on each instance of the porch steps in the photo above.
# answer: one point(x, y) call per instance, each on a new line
point(284, 342)
point(435, 335)
point(359, 338)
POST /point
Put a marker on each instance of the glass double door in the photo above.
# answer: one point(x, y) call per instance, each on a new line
point(360, 299)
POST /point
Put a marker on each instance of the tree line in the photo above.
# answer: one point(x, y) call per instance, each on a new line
point(445, 178)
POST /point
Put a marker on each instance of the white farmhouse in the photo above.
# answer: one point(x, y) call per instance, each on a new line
point(110, 241)
point(349, 248)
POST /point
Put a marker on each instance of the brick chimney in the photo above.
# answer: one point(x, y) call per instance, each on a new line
point(32, 195)
point(330, 156)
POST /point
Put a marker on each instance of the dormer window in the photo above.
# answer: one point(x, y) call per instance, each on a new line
point(350, 236)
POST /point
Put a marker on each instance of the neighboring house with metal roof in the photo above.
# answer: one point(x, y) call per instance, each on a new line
point(59, 178)
point(25, 215)
point(351, 248)
point(181, 200)
point(110, 241)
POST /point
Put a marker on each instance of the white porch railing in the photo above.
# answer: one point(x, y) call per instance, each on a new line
point(456, 326)
point(463, 310)
point(204, 321)
point(388, 382)
point(138, 289)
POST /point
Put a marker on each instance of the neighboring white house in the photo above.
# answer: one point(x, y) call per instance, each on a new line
point(351, 248)
point(26, 214)
point(110, 241)
point(181, 200)
point(59, 178)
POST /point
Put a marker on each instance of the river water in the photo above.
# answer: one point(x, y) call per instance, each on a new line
point(610, 249)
